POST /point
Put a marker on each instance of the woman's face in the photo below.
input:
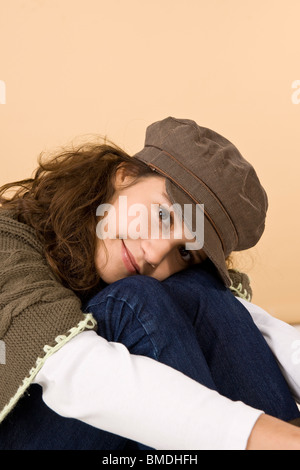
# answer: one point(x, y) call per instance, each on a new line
point(131, 247)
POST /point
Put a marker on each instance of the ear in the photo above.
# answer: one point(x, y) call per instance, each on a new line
point(122, 177)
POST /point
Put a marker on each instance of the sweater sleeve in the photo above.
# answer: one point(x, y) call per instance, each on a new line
point(102, 384)
point(37, 314)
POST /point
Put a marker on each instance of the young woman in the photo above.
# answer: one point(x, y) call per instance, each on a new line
point(113, 338)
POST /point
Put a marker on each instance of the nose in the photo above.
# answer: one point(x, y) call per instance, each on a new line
point(155, 251)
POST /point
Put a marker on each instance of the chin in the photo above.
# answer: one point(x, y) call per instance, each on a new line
point(109, 278)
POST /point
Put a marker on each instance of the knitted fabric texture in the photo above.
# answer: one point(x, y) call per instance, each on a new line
point(240, 284)
point(37, 314)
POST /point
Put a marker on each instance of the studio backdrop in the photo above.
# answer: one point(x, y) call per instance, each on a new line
point(73, 69)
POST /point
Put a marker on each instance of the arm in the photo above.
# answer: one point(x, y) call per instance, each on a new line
point(272, 434)
point(37, 314)
point(158, 405)
point(136, 397)
point(84, 376)
point(101, 384)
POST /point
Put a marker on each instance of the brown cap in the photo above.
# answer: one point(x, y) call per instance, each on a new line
point(202, 167)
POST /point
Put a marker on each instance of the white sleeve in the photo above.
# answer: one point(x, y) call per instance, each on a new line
point(284, 341)
point(102, 384)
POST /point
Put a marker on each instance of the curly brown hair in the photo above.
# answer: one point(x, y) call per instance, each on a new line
point(60, 203)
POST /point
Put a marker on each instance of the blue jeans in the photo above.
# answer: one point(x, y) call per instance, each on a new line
point(190, 322)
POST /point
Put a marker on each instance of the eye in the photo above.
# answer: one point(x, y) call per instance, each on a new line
point(185, 254)
point(163, 213)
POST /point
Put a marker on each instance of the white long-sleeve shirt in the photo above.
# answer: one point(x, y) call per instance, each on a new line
point(102, 384)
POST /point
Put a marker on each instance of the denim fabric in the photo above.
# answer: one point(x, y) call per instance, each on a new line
point(190, 322)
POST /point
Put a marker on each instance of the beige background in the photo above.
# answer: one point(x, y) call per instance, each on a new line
point(79, 67)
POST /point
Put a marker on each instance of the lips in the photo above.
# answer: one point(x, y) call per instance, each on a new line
point(128, 260)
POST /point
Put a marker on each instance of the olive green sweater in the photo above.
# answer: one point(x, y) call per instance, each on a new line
point(37, 314)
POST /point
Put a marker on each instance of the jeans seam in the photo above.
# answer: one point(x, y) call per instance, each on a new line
point(156, 351)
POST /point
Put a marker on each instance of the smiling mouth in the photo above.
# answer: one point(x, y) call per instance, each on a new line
point(129, 260)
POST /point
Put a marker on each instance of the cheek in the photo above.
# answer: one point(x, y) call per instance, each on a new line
point(102, 255)
point(108, 261)
point(136, 223)
point(167, 268)
point(98, 261)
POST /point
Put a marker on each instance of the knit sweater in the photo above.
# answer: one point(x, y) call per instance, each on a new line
point(37, 314)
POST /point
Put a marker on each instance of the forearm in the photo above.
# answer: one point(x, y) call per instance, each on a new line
point(270, 433)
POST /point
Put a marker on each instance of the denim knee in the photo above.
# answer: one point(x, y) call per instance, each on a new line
point(140, 311)
point(134, 290)
point(129, 308)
